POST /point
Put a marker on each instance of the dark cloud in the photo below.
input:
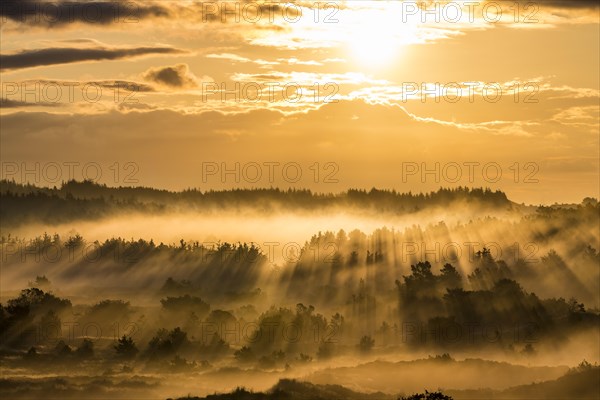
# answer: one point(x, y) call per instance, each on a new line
point(66, 55)
point(58, 13)
point(108, 84)
point(251, 10)
point(129, 86)
point(8, 103)
point(52, 93)
point(176, 76)
point(125, 107)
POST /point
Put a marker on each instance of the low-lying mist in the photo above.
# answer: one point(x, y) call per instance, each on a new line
point(150, 296)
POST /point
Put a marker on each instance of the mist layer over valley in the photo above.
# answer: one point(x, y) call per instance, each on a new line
point(137, 292)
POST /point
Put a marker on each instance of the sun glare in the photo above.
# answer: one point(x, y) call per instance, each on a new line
point(379, 36)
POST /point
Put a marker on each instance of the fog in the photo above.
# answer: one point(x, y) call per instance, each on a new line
point(160, 298)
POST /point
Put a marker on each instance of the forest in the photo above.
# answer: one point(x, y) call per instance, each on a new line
point(498, 301)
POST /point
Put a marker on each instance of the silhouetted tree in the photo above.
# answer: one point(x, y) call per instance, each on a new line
point(366, 344)
point(86, 350)
point(126, 347)
point(427, 396)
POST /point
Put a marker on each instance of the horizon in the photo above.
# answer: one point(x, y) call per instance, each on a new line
point(291, 189)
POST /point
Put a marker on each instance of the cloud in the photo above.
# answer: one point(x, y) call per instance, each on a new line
point(9, 103)
point(60, 13)
point(591, 4)
point(229, 56)
point(67, 55)
point(176, 76)
point(310, 78)
point(131, 86)
point(65, 93)
point(386, 135)
point(535, 99)
point(248, 9)
point(238, 58)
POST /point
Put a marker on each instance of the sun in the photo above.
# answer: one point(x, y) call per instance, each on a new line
point(375, 48)
point(378, 36)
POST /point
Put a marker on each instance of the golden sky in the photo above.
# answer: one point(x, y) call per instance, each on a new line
point(322, 95)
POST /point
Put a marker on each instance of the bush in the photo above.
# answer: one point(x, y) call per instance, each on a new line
point(166, 343)
point(427, 396)
point(245, 354)
point(86, 350)
point(125, 347)
point(366, 344)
